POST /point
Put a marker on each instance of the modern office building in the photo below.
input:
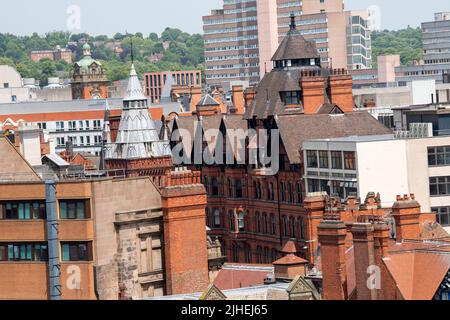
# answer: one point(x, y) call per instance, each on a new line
point(241, 38)
point(173, 86)
point(345, 166)
point(436, 46)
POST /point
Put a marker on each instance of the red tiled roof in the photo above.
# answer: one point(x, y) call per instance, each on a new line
point(289, 247)
point(290, 259)
point(418, 274)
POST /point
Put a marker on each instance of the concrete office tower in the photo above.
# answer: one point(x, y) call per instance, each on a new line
point(436, 47)
point(241, 38)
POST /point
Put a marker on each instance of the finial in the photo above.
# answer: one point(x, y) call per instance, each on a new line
point(292, 26)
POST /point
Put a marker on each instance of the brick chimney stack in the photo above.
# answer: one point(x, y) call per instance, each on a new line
point(312, 84)
point(315, 206)
point(238, 99)
point(341, 89)
point(332, 234)
point(406, 213)
point(185, 241)
point(381, 238)
point(363, 244)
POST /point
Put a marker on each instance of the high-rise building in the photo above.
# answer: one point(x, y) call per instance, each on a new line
point(241, 38)
point(436, 47)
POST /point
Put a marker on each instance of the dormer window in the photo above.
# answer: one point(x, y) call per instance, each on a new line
point(291, 97)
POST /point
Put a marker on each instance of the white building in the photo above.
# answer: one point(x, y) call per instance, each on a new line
point(384, 165)
point(11, 88)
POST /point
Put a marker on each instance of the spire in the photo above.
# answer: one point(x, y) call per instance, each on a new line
point(106, 138)
point(134, 90)
point(292, 26)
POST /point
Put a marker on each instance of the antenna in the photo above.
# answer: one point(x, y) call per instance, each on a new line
point(132, 51)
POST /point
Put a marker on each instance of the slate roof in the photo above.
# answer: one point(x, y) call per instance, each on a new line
point(295, 46)
point(295, 129)
point(207, 100)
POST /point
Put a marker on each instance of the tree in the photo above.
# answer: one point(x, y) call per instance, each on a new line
point(154, 37)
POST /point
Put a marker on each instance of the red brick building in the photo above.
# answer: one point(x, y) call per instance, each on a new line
point(373, 254)
point(54, 55)
point(252, 209)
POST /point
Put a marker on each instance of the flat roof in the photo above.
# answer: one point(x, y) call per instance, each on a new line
point(36, 107)
point(384, 137)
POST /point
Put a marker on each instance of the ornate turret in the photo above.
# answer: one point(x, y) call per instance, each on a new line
point(137, 136)
point(138, 148)
point(89, 78)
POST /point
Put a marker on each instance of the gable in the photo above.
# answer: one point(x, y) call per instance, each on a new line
point(13, 166)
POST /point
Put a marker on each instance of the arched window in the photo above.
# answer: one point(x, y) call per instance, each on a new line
point(302, 229)
point(285, 222)
point(214, 186)
point(230, 188)
point(248, 254)
point(271, 193)
point(283, 192)
point(208, 217)
point(241, 221)
point(273, 224)
point(290, 193)
point(292, 227)
point(274, 254)
point(257, 222)
point(259, 253)
point(216, 218)
point(238, 189)
point(299, 192)
point(231, 220)
point(266, 255)
point(264, 223)
point(206, 183)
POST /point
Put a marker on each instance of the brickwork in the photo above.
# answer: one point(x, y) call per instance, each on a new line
point(186, 261)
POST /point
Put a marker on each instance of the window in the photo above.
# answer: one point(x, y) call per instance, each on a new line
point(231, 220)
point(238, 189)
point(311, 159)
point(230, 188)
point(439, 186)
point(439, 156)
point(323, 160)
point(273, 224)
point(23, 252)
point(23, 210)
point(442, 215)
point(291, 97)
point(258, 222)
point(208, 217)
point(349, 161)
point(283, 191)
point(336, 159)
point(206, 183)
point(298, 189)
point(290, 193)
point(76, 251)
point(241, 221)
point(270, 193)
point(214, 186)
point(285, 222)
point(74, 209)
point(216, 218)
point(292, 227)
point(6, 85)
point(265, 223)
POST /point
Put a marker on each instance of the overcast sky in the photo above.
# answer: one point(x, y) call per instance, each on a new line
point(111, 16)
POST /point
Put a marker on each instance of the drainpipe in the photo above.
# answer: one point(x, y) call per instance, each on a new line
point(53, 243)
